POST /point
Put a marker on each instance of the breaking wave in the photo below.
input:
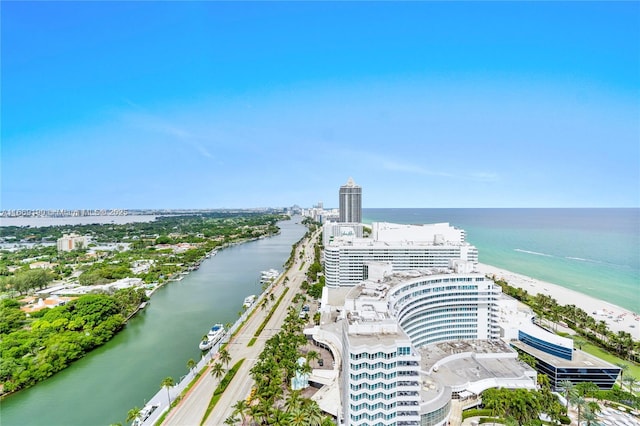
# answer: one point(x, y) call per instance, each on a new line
point(533, 252)
point(577, 259)
point(580, 259)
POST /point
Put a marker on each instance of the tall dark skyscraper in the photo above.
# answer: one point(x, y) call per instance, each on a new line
point(350, 202)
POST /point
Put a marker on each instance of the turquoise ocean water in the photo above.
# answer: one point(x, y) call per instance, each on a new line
point(593, 251)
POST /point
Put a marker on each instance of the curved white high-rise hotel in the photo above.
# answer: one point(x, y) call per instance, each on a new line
point(350, 202)
point(439, 307)
point(398, 307)
point(389, 335)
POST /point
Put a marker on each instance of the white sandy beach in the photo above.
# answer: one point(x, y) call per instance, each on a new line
point(617, 318)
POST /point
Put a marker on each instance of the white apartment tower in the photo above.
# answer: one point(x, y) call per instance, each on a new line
point(381, 368)
point(350, 202)
point(405, 247)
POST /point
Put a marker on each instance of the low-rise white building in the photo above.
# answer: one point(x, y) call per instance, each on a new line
point(555, 355)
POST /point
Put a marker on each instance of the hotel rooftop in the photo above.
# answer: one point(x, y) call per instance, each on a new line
point(468, 368)
point(580, 359)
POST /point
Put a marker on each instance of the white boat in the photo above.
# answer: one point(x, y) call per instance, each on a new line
point(213, 336)
point(248, 301)
point(144, 414)
point(269, 276)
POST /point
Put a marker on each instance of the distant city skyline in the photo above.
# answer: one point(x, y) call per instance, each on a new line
point(146, 105)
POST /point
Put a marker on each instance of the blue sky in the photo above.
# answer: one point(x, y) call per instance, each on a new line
point(240, 104)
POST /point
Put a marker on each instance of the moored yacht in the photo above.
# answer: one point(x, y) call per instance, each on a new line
point(213, 336)
point(269, 276)
point(248, 301)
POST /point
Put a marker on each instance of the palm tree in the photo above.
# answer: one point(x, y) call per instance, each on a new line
point(255, 412)
point(622, 342)
point(543, 381)
point(568, 388)
point(631, 382)
point(241, 408)
point(492, 402)
point(280, 418)
point(312, 355)
point(602, 329)
point(293, 401)
point(530, 360)
point(298, 417)
point(627, 346)
point(168, 382)
point(266, 409)
point(304, 369)
point(225, 357)
point(589, 416)
point(580, 403)
point(313, 412)
point(191, 364)
point(326, 421)
point(587, 389)
point(523, 405)
point(623, 368)
point(217, 370)
point(231, 420)
point(132, 414)
point(593, 407)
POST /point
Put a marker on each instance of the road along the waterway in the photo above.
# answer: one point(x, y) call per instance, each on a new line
point(100, 388)
point(192, 408)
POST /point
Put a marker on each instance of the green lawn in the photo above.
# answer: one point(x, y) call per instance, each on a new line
point(634, 370)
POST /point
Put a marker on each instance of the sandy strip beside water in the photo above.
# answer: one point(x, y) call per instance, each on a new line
point(617, 318)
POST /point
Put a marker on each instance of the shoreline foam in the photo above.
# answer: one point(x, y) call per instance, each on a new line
point(616, 317)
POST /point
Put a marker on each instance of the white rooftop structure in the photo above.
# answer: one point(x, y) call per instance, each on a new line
point(405, 247)
point(339, 230)
point(435, 233)
point(515, 317)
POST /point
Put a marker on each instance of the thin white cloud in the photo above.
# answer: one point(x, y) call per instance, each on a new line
point(411, 168)
point(485, 176)
point(396, 166)
point(148, 122)
point(386, 163)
